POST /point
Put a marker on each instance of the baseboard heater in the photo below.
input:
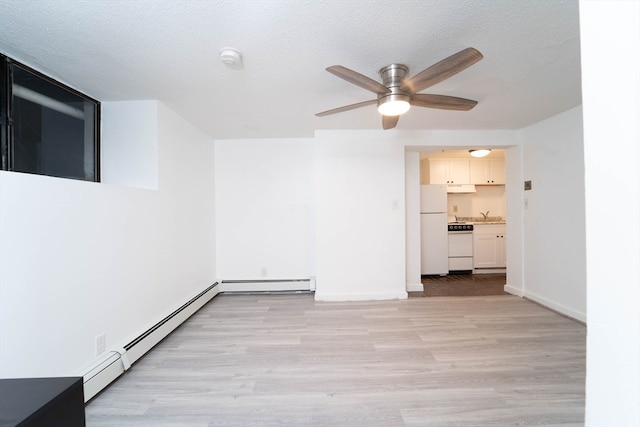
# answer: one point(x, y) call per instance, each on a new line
point(286, 285)
point(117, 362)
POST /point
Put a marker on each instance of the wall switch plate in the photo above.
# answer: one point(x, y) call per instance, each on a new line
point(455, 208)
point(527, 185)
point(101, 344)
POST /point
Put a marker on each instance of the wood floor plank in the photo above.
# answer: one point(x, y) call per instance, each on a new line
point(274, 360)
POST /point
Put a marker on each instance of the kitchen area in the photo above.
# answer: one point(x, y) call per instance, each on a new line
point(462, 213)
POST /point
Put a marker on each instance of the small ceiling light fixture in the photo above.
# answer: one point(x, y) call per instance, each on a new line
point(230, 56)
point(480, 153)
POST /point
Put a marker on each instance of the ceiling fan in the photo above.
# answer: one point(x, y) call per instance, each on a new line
point(396, 92)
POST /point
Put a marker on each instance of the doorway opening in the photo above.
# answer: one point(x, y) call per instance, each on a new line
point(485, 206)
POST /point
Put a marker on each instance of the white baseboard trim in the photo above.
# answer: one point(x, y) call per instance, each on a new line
point(513, 291)
point(266, 285)
point(319, 296)
point(559, 308)
point(547, 303)
point(415, 287)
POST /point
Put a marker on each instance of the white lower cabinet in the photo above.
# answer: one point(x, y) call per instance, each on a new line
point(489, 246)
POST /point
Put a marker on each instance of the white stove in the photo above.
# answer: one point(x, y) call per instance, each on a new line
point(460, 236)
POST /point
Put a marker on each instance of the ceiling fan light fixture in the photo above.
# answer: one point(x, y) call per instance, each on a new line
point(480, 152)
point(393, 105)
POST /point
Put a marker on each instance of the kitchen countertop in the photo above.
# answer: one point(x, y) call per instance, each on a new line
point(478, 220)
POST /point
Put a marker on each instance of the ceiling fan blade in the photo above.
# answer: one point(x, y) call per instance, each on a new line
point(442, 102)
point(347, 107)
point(442, 70)
point(358, 79)
point(389, 122)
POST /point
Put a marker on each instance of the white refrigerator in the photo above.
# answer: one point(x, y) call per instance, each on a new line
point(434, 240)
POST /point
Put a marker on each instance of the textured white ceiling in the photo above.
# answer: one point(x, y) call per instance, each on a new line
point(168, 50)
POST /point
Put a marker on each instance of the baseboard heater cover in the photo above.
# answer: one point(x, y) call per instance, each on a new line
point(118, 361)
point(267, 285)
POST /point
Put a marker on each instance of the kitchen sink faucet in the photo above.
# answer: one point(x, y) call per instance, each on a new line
point(485, 215)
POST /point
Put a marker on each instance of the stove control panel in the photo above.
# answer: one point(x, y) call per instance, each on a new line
point(460, 227)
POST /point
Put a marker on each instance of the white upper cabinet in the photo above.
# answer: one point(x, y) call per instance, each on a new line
point(487, 171)
point(449, 171)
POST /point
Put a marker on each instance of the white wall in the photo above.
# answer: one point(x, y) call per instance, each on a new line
point(360, 223)
point(80, 259)
point(137, 121)
point(609, 31)
point(490, 198)
point(264, 198)
point(554, 224)
point(359, 208)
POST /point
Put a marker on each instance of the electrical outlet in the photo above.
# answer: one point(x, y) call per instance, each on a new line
point(455, 208)
point(101, 344)
point(265, 272)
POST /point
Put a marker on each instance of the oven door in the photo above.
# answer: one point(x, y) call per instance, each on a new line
point(460, 244)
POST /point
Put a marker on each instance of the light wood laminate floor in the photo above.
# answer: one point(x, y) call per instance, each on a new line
point(286, 360)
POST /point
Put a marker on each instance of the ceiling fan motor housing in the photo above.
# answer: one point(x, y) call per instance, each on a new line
point(392, 77)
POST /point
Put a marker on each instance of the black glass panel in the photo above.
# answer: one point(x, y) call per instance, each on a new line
point(53, 129)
